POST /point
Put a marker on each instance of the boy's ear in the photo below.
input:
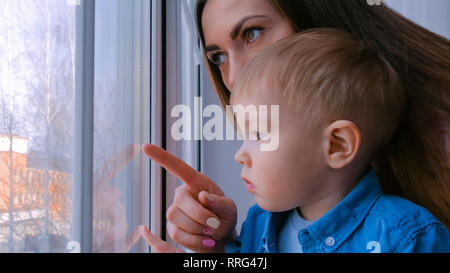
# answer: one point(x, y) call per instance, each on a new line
point(342, 143)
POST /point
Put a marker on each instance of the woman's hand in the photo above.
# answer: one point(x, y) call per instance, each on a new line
point(201, 218)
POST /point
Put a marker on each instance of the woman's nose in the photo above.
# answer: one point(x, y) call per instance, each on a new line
point(236, 64)
point(242, 157)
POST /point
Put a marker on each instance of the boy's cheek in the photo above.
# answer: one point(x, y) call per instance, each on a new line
point(272, 144)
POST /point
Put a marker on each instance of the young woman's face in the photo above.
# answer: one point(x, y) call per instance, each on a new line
point(236, 30)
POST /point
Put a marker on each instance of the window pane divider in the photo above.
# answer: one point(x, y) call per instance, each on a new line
point(82, 193)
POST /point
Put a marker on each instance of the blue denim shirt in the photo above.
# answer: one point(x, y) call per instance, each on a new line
point(366, 220)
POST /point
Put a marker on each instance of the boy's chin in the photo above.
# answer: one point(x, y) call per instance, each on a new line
point(271, 206)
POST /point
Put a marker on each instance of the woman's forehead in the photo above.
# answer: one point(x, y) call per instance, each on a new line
point(221, 16)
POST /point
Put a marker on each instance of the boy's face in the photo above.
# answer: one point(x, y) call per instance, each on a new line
point(284, 178)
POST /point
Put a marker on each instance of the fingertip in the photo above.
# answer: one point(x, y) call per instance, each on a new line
point(144, 228)
point(152, 151)
point(201, 197)
point(208, 243)
point(213, 222)
point(146, 148)
point(148, 236)
point(137, 148)
point(206, 196)
point(208, 230)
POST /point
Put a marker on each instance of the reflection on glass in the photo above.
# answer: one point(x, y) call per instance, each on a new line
point(37, 66)
point(121, 125)
point(37, 87)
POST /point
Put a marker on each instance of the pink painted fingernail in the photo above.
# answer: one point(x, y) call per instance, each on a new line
point(209, 231)
point(208, 243)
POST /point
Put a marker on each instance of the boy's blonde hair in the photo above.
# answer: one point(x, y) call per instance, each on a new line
point(329, 75)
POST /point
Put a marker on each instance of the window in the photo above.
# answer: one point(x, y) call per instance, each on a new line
point(121, 123)
point(182, 85)
point(37, 86)
point(75, 81)
point(432, 15)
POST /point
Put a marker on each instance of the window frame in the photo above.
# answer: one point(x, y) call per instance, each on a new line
point(147, 15)
point(82, 190)
point(157, 217)
point(165, 31)
point(175, 64)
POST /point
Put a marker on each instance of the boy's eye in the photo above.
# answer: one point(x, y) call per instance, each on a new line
point(262, 137)
point(258, 136)
point(218, 59)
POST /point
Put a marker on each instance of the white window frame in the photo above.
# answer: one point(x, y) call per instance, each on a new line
point(179, 65)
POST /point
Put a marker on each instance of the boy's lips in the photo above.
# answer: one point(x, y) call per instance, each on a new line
point(249, 185)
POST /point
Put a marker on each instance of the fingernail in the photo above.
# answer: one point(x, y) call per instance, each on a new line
point(208, 243)
point(213, 222)
point(144, 228)
point(209, 196)
point(209, 231)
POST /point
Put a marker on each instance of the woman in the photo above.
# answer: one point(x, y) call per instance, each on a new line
point(233, 31)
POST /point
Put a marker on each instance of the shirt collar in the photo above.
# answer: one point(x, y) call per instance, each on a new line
point(339, 222)
point(273, 222)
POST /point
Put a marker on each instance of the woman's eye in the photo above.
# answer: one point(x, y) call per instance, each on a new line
point(252, 34)
point(218, 59)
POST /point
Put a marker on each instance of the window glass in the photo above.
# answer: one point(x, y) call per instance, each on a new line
point(37, 68)
point(121, 124)
point(38, 60)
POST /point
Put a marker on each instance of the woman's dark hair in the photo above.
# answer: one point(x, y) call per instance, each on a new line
point(415, 163)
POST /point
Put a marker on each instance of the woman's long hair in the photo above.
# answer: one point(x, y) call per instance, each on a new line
point(415, 163)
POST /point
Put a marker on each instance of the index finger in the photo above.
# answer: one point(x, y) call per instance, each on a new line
point(193, 179)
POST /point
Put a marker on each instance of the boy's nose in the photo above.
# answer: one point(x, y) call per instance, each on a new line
point(242, 157)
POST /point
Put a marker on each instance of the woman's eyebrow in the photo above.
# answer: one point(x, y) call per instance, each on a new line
point(211, 48)
point(235, 31)
point(237, 28)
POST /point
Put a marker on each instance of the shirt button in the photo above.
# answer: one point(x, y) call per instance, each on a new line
point(330, 241)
